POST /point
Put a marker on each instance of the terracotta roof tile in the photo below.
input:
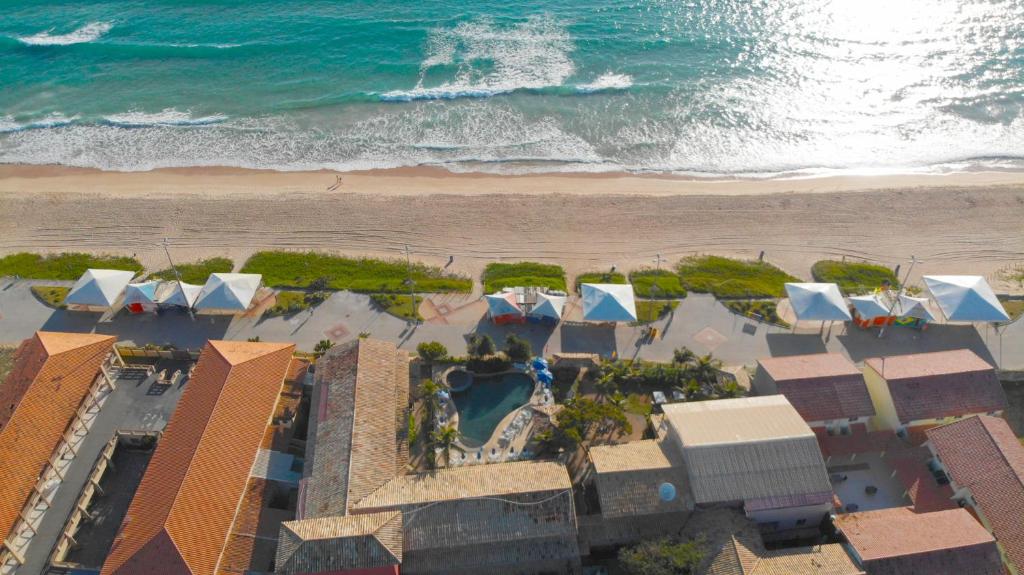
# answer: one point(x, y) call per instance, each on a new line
point(183, 510)
point(983, 454)
point(52, 374)
point(344, 542)
point(940, 384)
point(898, 541)
point(821, 386)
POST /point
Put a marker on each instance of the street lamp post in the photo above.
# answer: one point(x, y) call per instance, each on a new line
point(903, 286)
point(177, 276)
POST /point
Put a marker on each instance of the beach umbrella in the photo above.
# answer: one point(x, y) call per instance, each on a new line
point(141, 293)
point(608, 302)
point(539, 363)
point(869, 306)
point(502, 304)
point(817, 302)
point(966, 298)
point(178, 293)
point(99, 288)
point(228, 292)
point(548, 306)
point(544, 376)
point(916, 307)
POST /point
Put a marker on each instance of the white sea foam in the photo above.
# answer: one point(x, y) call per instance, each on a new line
point(168, 117)
point(9, 124)
point(88, 33)
point(606, 82)
point(492, 59)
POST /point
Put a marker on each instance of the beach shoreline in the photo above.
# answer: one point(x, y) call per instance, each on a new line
point(958, 223)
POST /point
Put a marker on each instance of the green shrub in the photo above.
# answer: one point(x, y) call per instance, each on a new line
point(66, 266)
point(52, 296)
point(853, 277)
point(364, 275)
point(517, 349)
point(480, 345)
point(398, 305)
point(432, 351)
point(526, 274)
point(489, 364)
point(766, 309)
point(731, 279)
point(648, 311)
point(657, 284)
point(198, 272)
point(288, 303)
point(661, 557)
point(599, 278)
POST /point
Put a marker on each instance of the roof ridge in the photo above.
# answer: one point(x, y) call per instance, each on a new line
point(397, 515)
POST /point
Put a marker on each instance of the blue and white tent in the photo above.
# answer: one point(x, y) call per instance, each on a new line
point(141, 296)
point(548, 306)
point(178, 293)
point(915, 307)
point(99, 288)
point(817, 302)
point(608, 302)
point(966, 298)
point(503, 304)
point(228, 293)
point(869, 306)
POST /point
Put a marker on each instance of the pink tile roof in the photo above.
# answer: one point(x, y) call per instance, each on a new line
point(983, 454)
point(898, 541)
point(821, 386)
point(940, 384)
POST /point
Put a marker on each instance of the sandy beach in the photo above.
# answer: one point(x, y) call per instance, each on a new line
point(959, 223)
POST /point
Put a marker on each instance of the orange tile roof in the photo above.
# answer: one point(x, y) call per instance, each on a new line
point(182, 513)
point(52, 374)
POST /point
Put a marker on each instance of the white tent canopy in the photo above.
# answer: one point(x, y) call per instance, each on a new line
point(225, 291)
point(500, 304)
point(916, 307)
point(142, 293)
point(178, 293)
point(608, 302)
point(869, 306)
point(548, 306)
point(966, 298)
point(817, 302)
point(99, 288)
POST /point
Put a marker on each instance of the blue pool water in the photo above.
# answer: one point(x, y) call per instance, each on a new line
point(698, 87)
point(488, 401)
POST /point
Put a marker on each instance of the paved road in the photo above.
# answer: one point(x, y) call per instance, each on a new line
point(700, 323)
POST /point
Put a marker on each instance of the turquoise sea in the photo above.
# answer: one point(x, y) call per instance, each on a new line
point(704, 87)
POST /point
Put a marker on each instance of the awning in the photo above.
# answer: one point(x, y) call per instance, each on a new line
point(916, 307)
point(817, 302)
point(178, 293)
point(608, 302)
point(228, 292)
point(869, 306)
point(966, 298)
point(141, 293)
point(99, 288)
point(502, 304)
point(548, 306)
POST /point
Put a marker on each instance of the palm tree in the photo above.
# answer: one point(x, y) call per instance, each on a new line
point(447, 439)
point(683, 356)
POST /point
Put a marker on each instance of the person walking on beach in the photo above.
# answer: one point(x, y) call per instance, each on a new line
point(335, 185)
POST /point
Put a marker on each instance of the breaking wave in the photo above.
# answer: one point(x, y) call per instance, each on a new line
point(88, 33)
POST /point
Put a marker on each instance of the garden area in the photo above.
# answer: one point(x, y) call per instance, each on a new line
point(65, 266)
point(52, 296)
point(759, 309)
point(527, 274)
point(196, 272)
point(728, 278)
point(398, 305)
point(649, 311)
point(599, 278)
point(853, 278)
point(657, 284)
point(365, 275)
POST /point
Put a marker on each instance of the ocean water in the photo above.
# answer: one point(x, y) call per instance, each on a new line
point(703, 87)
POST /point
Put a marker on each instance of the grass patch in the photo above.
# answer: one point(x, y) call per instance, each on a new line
point(198, 272)
point(853, 277)
point(639, 404)
point(765, 309)
point(657, 284)
point(365, 275)
point(727, 278)
point(599, 278)
point(648, 311)
point(1014, 307)
point(526, 274)
point(52, 296)
point(288, 302)
point(65, 266)
point(398, 305)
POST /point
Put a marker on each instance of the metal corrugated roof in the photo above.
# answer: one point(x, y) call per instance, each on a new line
point(341, 542)
point(736, 420)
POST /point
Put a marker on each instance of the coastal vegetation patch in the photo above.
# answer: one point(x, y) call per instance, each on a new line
point(853, 277)
point(728, 278)
point(365, 275)
point(288, 303)
point(399, 305)
point(600, 278)
point(648, 311)
point(761, 310)
point(526, 274)
point(52, 296)
point(1014, 307)
point(64, 266)
point(196, 272)
point(657, 284)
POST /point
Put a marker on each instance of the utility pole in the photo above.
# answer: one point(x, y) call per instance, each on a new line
point(178, 277)
point(657, 261)
point(903, 286)
point(412, 292)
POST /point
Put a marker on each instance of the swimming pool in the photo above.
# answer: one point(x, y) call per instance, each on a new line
point(487, 401)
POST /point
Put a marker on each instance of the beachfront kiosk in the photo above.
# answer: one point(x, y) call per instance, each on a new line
point(227, 294)
point(175, 294)
point(98, 290)
point(141, 297)
point(966, 298)
point(870, 311)
point(547, 310)
point(608, 302)
point(502, 308)
point(817, 302)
